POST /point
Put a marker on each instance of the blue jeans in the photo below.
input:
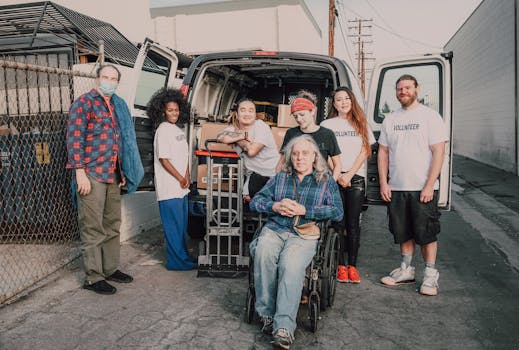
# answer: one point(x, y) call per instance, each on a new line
point(280, 260)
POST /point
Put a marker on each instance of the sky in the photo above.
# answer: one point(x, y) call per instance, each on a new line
point(399, 27)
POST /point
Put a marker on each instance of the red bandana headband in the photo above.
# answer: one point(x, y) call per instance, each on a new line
point(301, 104)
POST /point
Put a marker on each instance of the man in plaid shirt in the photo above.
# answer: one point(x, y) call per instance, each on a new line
point(94, 144)
point(304, 189)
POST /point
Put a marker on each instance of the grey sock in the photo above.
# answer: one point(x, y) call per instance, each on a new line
point(406, 259)
point(430, 265)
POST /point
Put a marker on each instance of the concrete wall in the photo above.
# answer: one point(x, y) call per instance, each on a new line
point(280, 28)
point(484, 85)
point(139, 212)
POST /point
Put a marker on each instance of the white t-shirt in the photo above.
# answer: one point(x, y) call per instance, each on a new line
point(170, 143)
point(350, 142)
point(408, 134)
point(264, 163)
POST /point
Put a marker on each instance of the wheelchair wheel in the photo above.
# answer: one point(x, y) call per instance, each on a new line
point(329, 277)
point(313, 310)
point(249, 307)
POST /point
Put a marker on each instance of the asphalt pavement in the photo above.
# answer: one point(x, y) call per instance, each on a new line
point(476, 308)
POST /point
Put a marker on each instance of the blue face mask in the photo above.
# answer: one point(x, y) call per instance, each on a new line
point(107, 88)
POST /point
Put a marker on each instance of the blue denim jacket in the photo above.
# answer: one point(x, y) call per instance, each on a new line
point(131, 160)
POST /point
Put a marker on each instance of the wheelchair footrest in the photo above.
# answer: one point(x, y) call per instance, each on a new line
point(223, 271)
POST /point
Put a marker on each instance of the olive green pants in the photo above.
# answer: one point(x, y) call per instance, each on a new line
point(99, 219)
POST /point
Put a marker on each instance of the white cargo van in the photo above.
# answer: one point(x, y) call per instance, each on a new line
point(215, 81)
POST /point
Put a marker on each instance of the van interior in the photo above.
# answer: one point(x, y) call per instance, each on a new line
point(270, 82)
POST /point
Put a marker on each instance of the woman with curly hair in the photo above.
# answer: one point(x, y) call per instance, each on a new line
point(169, 112)
point(348, 122)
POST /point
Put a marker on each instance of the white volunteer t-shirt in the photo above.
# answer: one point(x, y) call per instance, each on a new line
point(170, 143)
point(350, 142)
point(408, 134)
point(264, 163)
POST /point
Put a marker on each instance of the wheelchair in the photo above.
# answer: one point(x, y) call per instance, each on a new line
point(320, 277)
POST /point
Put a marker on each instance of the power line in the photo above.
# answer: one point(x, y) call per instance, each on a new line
point(346, 46)
point(394, 33)
point(388, 25)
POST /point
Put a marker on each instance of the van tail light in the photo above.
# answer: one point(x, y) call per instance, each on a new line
point(265, 53)
point(183, 90)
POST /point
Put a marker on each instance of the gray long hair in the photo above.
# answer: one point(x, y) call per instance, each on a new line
point(320, 166)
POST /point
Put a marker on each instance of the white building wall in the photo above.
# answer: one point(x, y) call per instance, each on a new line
point(484, 90)
point(280, 28)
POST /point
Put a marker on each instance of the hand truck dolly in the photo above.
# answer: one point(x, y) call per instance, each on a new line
point(223, 255)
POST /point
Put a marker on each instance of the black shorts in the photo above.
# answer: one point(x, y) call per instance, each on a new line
point(411, 219)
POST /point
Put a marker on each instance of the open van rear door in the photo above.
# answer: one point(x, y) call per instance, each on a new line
point(155, 68)
point(433, 73)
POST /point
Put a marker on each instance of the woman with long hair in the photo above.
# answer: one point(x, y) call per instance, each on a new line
point(355, 138)
point(254, 141)
point(304, 191)
point(170, 112)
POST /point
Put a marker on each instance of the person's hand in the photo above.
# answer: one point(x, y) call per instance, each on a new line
point(288, 207)
point(83, 183)
point(426, 195)
point(184, 182)
point(345, 179)
point(123, 182)
point(186, 179)
point(385, 192)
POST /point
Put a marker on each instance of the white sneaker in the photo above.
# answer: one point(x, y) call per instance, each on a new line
point(401, 275)
point(282, 338)
point(430, 282)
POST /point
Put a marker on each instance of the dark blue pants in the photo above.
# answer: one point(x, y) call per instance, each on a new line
point(173, 213)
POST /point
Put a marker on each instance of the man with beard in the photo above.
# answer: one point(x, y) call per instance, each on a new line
point(411, 153)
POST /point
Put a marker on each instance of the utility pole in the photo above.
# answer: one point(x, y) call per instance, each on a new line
point(361, 53)
point(331, 27)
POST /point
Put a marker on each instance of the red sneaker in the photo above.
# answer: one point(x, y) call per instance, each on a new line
point(342, 274)
point(353, 274)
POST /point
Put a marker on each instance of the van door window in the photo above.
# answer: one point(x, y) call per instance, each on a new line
point(429, 77)
point(152, 78)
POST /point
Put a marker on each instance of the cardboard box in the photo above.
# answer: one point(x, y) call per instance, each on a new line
point(210, 131)
point(264, 116)
point(285, 119)
point(279, 135)
point(201, 180)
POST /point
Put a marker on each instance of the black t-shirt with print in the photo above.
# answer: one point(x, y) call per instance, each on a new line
point(324, 137)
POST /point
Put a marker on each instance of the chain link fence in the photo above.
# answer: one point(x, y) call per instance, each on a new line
point(38, 223)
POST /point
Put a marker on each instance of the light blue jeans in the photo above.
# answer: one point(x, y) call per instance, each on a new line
point(280, 261)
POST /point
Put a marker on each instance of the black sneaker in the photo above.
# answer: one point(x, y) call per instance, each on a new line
point(119, 277)
point(267, 325)
point(100, 287)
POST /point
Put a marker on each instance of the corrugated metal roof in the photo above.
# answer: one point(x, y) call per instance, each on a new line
point(46, 24)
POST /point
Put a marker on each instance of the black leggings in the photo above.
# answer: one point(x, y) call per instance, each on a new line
point(352, 200)
point(256, 183)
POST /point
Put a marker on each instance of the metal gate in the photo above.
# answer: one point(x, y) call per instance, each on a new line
point(38, 223)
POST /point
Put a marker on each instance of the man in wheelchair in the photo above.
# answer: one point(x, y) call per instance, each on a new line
point(304, 191)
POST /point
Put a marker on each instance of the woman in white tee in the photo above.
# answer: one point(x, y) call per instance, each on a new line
point(169, 111)
point(348, 122)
